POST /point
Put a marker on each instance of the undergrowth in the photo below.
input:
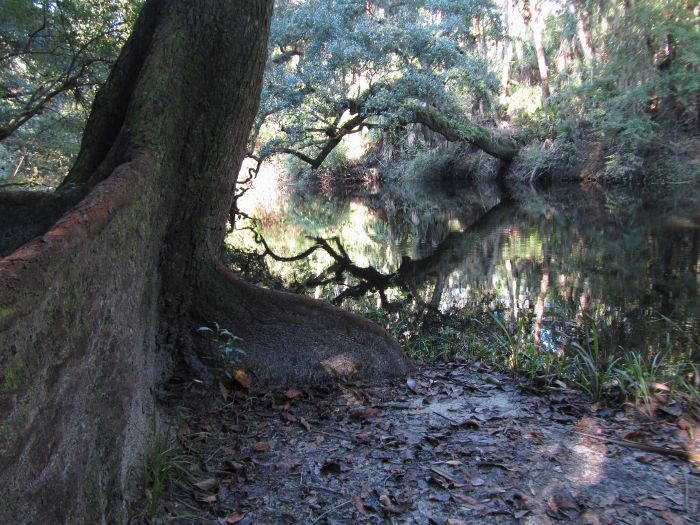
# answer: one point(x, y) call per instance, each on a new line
point(162, 466)
point(613, 376)
point(485, 332)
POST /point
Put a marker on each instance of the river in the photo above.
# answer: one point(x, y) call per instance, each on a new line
point(566, 258)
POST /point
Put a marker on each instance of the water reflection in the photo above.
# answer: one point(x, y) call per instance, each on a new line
point(565, 258)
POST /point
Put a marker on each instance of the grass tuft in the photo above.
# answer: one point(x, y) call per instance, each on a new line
point(162, 466)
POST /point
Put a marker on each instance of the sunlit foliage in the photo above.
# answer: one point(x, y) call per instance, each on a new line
point(626, 89)
point(54, 55)
point(355, 61)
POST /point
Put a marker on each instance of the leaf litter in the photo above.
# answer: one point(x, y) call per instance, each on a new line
point(455, 443)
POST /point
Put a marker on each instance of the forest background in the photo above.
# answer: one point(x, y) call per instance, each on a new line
point(601, 90)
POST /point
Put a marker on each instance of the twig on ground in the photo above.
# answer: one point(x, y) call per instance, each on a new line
point(347, 436)
point(332, 509)
point(453, 421)
point(692, 457)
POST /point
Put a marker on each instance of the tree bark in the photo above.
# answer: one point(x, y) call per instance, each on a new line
point(583, 31)
point(535, 20)
point(93, 311)
point(507, 52)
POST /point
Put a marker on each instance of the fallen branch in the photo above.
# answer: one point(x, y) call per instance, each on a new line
point(331, 510)
point(693, 457)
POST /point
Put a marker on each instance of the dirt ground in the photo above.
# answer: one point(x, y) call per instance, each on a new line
point(453, 444)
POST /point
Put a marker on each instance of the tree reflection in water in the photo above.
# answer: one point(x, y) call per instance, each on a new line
point(566, 258)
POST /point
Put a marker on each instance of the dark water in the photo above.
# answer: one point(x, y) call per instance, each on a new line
point(569, 258)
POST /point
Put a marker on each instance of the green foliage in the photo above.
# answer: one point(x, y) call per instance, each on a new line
point(226, 345)
point(516, 342)
point(162, 466)
point(590, 369)
point(637, 376)
point(54, 55)
point(688, 384)
point(333, 59)
point(618, 115)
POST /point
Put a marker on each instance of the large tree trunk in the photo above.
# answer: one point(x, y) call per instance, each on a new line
point(94, 310)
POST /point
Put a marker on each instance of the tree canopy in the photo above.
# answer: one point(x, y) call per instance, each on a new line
point(339, 67)
point(54, 55)
point(592, 87)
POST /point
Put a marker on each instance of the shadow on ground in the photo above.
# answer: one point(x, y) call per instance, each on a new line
point(455, 444)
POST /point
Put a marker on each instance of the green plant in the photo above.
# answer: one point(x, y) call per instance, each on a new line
point(637, 376)
point(516, 342)
point(226, 345)
point(162, 466)
point(689, 387)
point(592, 371)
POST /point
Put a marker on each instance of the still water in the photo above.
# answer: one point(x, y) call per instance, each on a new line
point(569, 257)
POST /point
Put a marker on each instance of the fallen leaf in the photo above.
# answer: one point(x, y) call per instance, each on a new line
point(411, 384)
point(444, 497)
point(235, 518)
point(463, 499)
point(560, 502)
point(240, 377)
point(304, 423)
point(647, 459)
point(207, 484)
point(289, 465)
point(387, 505)
point(261, 446)
point(537, 437)
point(224, 391)
point(363, 413)
point(450, 521)
point(683, 423)
point(290, 418)
point(637, 434)
point(590, 518)
point(672, 519)
point(293, 393)
point(236, 466)
point(654, 504)
point(208, 499)
point(674, 409)
point(359, 505)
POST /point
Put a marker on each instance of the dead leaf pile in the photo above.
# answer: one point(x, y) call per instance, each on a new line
point(454, 444)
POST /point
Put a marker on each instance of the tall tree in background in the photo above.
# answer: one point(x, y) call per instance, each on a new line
point(534, 19)
point(90, 311)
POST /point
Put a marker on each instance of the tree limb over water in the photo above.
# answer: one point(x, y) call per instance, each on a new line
point(411, 273)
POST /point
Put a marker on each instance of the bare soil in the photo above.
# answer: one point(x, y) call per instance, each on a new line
point(454, 444)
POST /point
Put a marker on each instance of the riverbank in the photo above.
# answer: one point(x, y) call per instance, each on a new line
point(455, 443)
point(597, 288)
